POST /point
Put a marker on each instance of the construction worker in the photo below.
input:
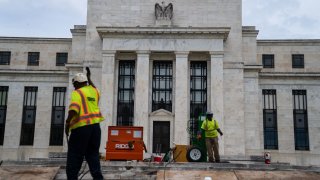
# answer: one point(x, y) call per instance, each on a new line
point(83, 122)
point(211, 128)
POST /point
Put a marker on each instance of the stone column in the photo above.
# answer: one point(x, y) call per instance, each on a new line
point(141, 101)
point(181, 99)
point(107, 92)
point(216, 91)
point(73, 70)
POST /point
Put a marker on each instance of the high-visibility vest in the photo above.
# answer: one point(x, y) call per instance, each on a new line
point(89, 112)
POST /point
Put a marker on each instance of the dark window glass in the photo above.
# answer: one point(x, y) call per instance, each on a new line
point(61, 59)
point(3, 110)
point(33, 58)
point(268, 60)
point(270, 129)
point(126, 82)
point(297, 61)
point(162, 85)
point(29, 115)
point(5, 57)
point(198, 94)
point(161, 137)
point(57, 116)
point(300, 118)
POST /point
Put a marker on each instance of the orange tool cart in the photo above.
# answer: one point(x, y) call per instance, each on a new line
point(125, 143)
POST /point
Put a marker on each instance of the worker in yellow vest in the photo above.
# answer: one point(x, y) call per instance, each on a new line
point(83, 122)
point(211, 128)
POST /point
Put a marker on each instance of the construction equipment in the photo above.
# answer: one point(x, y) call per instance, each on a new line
point(125, 143)
point(197, 151)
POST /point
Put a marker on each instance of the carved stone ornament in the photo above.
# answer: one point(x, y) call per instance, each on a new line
point(163, 12)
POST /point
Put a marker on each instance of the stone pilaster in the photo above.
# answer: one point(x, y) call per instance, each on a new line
point(216, 91)
point(181, 98)
point(107, 91)
point(141, 103)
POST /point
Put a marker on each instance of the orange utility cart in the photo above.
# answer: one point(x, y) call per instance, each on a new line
point(125, 143)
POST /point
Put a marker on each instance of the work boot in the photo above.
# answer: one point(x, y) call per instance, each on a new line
point(211, 159)
point(217, 161)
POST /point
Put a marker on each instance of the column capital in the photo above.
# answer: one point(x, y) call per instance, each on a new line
point(108, 53)
point(182, 54)
point(143, 52)
point(216, 53)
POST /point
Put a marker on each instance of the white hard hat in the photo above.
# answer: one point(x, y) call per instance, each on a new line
point(79, 77)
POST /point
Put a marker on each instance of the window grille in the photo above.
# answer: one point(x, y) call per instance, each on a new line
point(270, 119)
point(57, 116)
point(5, 57)
point(297, 61)
point(33, 58)
point(300, 118)
point(162, 85)
point(61, 59)
point(268, 60)
point(126, 77)
point(29, 115)
point(198, 93)
point(3, 110)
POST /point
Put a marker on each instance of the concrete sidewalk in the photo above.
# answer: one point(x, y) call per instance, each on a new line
point(44, 169)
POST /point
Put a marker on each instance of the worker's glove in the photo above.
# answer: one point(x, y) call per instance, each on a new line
point(221, 134)
point(67, 127)
point(199, 136)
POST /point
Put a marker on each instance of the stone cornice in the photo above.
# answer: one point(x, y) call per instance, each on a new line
point(289, 42)
point(289, 74)
point(42, 72)
point(249, 31)
point(204, 32)
point(35, 40)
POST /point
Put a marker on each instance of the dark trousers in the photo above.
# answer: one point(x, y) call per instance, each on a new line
point(84, 142)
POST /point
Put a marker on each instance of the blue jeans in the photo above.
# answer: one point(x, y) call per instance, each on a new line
point(84, 142)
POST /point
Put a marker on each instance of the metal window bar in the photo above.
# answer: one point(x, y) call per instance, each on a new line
point(33, 58)
point(297, 61)
point(5, 57)
point(61, 59)
point(126, 81)
point(198, 94)
point(29, 115)
point(162, 85)
point(57, 116)
point(270, 127)
point(300, 118)
point(3, 110)
point(268, 60)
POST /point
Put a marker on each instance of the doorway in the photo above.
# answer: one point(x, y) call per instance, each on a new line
point(161, 136)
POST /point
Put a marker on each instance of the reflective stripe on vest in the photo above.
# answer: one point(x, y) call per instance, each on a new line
point(85, 117)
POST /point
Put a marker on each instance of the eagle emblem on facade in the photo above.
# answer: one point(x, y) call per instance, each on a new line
point(163, 12)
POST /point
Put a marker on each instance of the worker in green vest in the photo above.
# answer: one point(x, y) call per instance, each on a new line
point(83, 121)
point(211, 128)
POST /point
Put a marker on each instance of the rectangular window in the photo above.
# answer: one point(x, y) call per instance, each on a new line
point(29, 115)
point(268, 60)
point(57, 116)
point(5, 57)
point(3, 110)
point(162, 85)
point(33, 58)
point(297, 61)
point(61, 59)
point(300, 118)
point(198, 94)
point(126, 82)
point(270, 129)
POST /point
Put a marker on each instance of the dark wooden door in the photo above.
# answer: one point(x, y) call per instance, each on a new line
point(161, 136)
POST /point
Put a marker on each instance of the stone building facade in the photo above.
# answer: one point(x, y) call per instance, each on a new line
point(160, 72)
